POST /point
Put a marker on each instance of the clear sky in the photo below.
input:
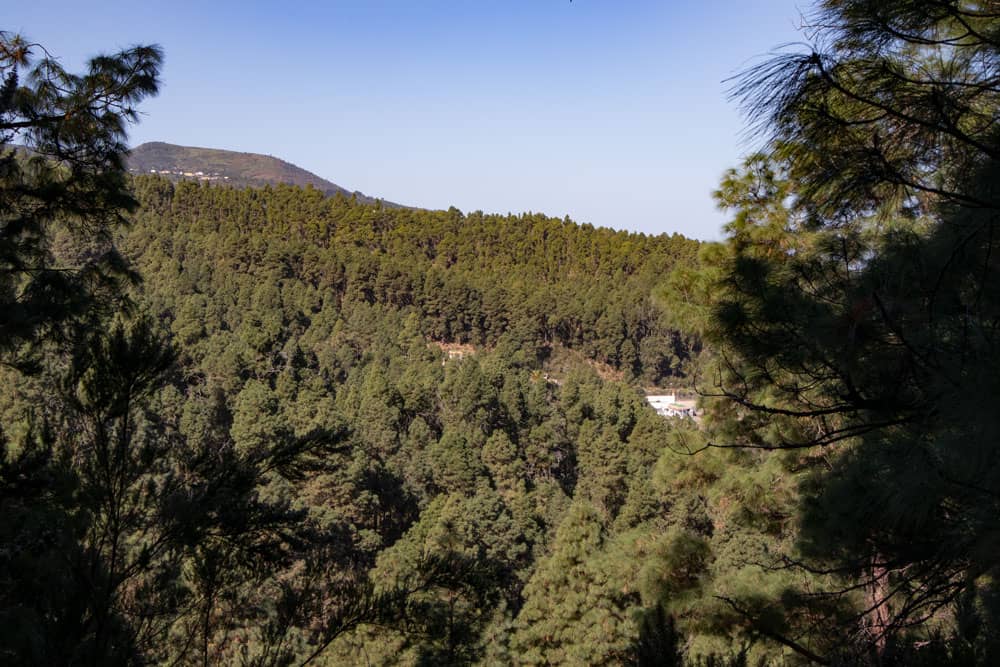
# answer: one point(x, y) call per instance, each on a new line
point(613, 112)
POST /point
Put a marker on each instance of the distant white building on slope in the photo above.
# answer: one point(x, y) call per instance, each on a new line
point(662, 401)
point(666, 405)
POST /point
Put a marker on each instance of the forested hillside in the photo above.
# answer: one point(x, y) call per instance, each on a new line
point(261, 268)
point(266, 426)
point(293, 313)
point(361, 493)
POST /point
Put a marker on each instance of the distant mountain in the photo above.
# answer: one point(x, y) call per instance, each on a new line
point(228, 167)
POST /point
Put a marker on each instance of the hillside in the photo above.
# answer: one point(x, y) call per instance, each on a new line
point(229, 167)
point(460, 358)
point(247, 423)
point(470, 279)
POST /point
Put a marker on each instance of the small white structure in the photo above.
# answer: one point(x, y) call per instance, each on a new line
point(662, 401)
point(453, 351)
point(666, 405)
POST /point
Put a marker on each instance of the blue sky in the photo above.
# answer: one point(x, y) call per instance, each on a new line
point(613, 112)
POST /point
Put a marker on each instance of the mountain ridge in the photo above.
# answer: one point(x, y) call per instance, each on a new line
point(236, 168)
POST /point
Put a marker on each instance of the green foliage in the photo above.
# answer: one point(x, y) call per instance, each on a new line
point(330, 485)
point(849, 319)
point(326, 432)
point(62, 190)
point(521, 283)
point(570, 613)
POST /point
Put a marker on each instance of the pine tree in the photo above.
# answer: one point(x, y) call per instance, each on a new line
point(62, 146)
point(853, 311)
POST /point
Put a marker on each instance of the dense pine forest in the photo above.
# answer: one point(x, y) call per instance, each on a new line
point(273, 426)
point(271, 266)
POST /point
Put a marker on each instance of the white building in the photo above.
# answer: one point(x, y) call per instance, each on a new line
point(666, 405)
point(662, 401)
